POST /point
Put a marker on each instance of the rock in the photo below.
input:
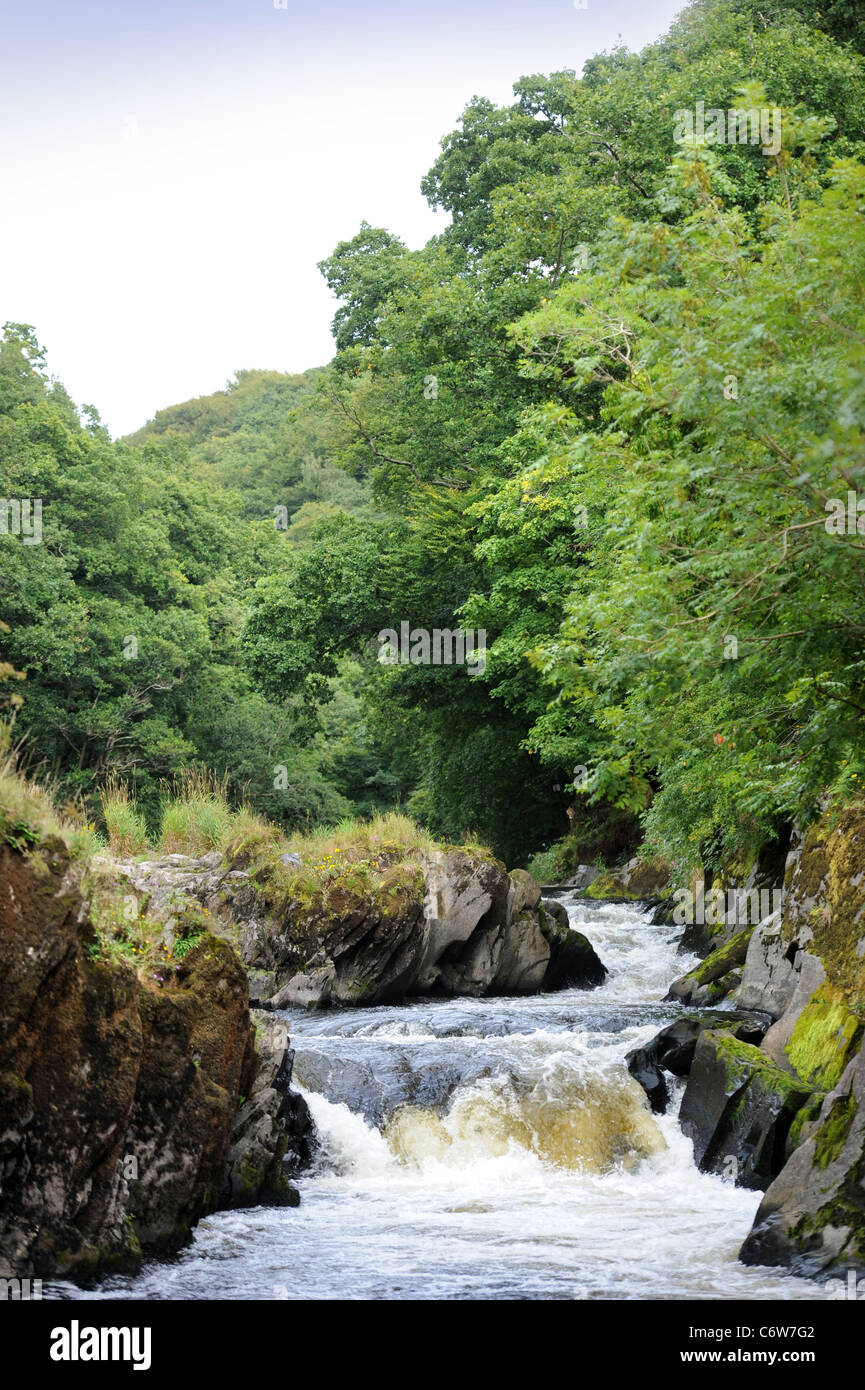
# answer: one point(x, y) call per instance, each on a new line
point(811, 1217)
point(525, 891)
point(118, 1096)
point(290, 859)
point(474, 929)
point(645, 878)
point(758, 890)
point(468, 927)
point(273, 1136)
point(718, 970)
point(640, 880)
point(738, 1108)
point(573, 962)
point(262, 984)
point(553, 908)
point(773, 965)
point(646, 1071)
point(808, 975)
point(673, 1049)
point(584, 875)
point(524, 958)
point(807, 965)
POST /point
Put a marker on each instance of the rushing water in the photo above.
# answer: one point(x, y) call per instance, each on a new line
point(488, 1149)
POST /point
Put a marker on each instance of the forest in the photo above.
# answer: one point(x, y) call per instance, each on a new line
point(611, 418)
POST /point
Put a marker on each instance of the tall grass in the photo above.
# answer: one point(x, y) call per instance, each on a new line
point(126, 827)
point(386, 833)
point(28, 812)
point(195, 814)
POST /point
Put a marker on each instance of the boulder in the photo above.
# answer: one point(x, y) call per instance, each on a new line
point(524, 891)
point(474, 929)
point(646, 1071)
point(553, 908)
point(640, 880)
point(582, 877)
point(118, 1093)
point(716, 976)
point(673, 1049)
point(573, 962)
point(273, 1137)
point(738, 1108)
point(812, 1217)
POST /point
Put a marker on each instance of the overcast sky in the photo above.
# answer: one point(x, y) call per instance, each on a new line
point(172, 170)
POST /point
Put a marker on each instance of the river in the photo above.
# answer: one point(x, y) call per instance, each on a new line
point(487, 1149)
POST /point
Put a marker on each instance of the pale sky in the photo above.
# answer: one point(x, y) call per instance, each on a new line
point(173, 169)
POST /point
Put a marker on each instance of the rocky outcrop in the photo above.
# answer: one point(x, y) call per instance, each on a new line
point(465, 926)
point(807, 966)
point(738, 1108)
point(716, 976)
point(786, 1116)
point(672, 1050)
point(118, 1094)
point(273, 1138)
point(812, 1217)
point(640, 880)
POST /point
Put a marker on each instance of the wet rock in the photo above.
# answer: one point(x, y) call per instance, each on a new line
point(812, 1217)
point(673, 1049)
point(273, 1136)
point(645, 1070)
point(738, 1108)
point(553, 908)
point(716, 976)
point(573, 961)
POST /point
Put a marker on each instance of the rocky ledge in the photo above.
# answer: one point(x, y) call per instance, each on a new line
point(456, 923)
point(131, 1106)
point(776, 1077)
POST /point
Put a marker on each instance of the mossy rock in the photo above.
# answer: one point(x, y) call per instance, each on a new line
point(738, 1109)
point(608, 887)
point(826, 901)
point(721, 961)
point(830, 1138)
point(825, 1037)
point(715, 977)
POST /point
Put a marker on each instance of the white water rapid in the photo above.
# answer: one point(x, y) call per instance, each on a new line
point(488, 1149)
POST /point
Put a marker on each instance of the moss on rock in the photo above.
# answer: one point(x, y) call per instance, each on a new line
point(825, 1036)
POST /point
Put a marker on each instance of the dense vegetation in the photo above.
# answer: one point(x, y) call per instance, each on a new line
point(601, 417)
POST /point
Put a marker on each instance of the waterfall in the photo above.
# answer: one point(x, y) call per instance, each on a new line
point(490, 1148)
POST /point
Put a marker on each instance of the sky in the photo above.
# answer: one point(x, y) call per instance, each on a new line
point(173, 170)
